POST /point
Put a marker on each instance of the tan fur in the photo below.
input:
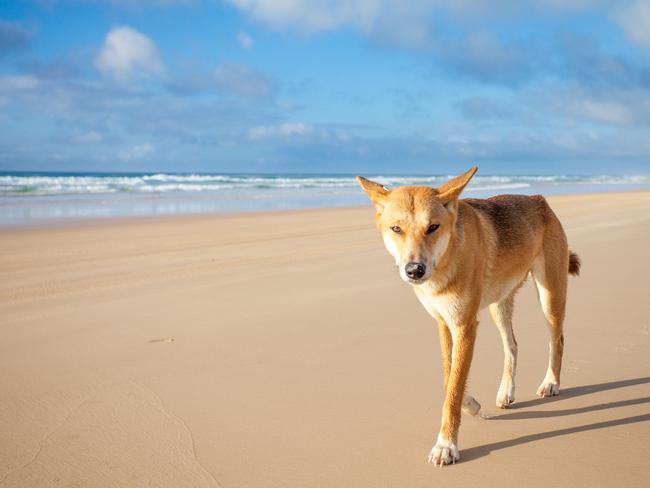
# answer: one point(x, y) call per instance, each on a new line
point(478, 256)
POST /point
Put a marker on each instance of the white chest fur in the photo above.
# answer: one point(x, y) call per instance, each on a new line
point(447, 306)
point(450, 306)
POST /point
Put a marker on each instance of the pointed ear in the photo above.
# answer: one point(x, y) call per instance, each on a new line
point(449, 192)
point(375, 191)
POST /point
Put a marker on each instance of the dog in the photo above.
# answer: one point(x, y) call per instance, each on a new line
point(461, 256)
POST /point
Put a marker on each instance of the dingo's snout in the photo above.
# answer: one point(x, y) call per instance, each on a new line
point(415, 271)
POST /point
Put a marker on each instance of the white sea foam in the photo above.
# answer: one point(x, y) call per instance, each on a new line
point(45, 184)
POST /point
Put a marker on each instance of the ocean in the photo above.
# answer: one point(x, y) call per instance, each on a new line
point(28, 198)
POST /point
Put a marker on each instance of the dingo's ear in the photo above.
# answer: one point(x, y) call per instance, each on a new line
point(449, 192)
point(375, 191)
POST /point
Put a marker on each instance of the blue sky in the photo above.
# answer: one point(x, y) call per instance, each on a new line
point(426, 86)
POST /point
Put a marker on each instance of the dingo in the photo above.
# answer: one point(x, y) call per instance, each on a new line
point(464, 255)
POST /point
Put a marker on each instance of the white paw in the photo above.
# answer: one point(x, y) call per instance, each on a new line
point(548, 388)
point(444, 452)
point(506, 395)
point(470, 405)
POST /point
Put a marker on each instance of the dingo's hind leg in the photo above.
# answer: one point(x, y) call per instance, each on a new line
point(501, 313)
point(550, 274)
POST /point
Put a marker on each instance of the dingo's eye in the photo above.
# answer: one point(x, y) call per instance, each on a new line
point(396, 228)
point(432, 228)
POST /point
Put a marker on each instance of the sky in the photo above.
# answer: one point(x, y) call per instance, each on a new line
point(326, 86)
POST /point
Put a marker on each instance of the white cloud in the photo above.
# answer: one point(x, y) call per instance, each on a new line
point(635, 21)
point(150, 3)
point(407, 21)
point(609, 112)
point(138, 151)
point(18, 82)
point(127, 53)
point(564, 5)
point(285, 130)
point(245, 40)
point(367, 15)
point(91, 137)
point(242, 80)
point(323, 15)
point(617, 107)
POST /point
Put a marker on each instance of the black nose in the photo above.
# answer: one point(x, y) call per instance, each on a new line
point(415, 271)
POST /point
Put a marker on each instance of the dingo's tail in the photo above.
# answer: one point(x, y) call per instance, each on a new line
point(574, 264)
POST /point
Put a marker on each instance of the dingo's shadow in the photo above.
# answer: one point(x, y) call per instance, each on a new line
point(574, 392)
point(484, 450)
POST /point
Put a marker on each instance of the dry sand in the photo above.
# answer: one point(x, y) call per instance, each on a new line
point(282, 350)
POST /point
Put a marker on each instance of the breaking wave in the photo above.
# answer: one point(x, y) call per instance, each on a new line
point(95, 184)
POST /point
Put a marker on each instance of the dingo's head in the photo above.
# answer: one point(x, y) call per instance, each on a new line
point(417, 223)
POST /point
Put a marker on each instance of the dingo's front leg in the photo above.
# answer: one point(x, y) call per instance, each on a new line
point(445, 451)
point(470, 405)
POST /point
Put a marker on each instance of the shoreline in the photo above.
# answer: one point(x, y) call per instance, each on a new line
point(169, 217)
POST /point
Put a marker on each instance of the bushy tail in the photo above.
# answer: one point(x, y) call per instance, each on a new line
point(574, 264)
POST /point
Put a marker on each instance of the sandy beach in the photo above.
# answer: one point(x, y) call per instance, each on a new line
point(282, 350)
